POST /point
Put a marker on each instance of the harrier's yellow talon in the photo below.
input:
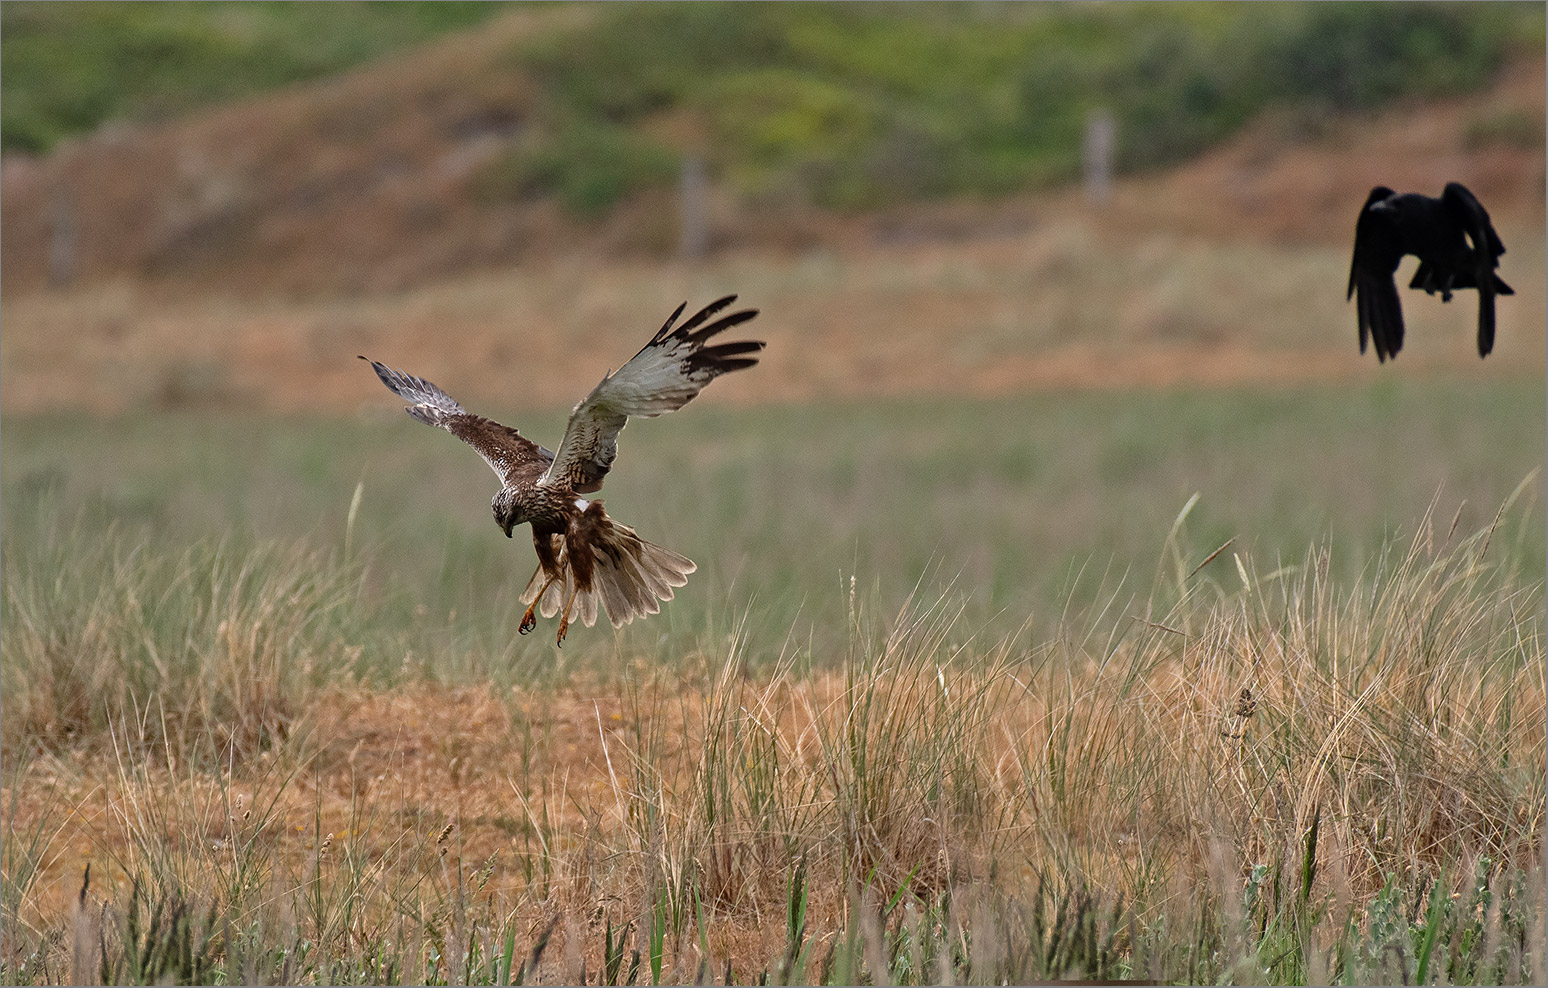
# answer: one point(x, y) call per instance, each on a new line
point(529, 620)
point(564, 620)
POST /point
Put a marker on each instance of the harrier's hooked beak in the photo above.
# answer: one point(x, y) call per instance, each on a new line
point(508, 526)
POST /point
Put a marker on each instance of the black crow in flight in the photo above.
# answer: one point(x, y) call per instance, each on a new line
point(1456, 246)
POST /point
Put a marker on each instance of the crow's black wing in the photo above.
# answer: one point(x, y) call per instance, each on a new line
point(1364, 232)
point(1463, 208)
point(1377, 249)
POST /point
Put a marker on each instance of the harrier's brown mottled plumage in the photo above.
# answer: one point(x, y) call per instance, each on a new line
point(584, 557)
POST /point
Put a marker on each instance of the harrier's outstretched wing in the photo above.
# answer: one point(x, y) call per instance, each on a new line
point(502, 447)
point(1377, 249)
point(664, 376)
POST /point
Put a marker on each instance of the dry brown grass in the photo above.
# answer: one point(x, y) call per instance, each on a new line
point(1166, 750)
point(1069, 306)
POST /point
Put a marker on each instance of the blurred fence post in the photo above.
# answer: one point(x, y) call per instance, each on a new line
point(693, 208)
point(1101, 141)
point(61, 243)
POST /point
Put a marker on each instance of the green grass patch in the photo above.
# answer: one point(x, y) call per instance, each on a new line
point(1030, 501)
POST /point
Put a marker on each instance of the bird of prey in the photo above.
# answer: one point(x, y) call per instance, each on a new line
point(584, 557)
point(1456, 246)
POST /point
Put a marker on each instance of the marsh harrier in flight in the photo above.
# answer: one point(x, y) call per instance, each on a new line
point(1456, 246)
point(584, 557)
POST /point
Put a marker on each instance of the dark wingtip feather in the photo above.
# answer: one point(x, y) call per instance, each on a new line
point(739, 363)
point(698, 317)
point(1485, 323)
point(1383, 313)
point(666, 327)
point(720, 325)
point(726, 357)
point(733, 349)
point(1363, 322)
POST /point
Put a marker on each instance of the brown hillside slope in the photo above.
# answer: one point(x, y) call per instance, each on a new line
point(1230, 269)
point(357, 182)
point(370, 181)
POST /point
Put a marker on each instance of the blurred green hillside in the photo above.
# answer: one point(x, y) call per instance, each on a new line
point(67, 67)
point(844, 106)
point(853, 106)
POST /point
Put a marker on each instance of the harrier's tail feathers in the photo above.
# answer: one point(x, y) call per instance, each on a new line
point(430, 403)
point(630, 577)
point(636, 576)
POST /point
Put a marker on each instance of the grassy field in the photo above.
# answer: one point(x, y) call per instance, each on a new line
point(1072, 599)
point(1028, 501)
point(961, 689)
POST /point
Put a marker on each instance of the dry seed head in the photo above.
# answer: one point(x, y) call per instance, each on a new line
point(1246, 705)
point(326, 844)
point(445, 833)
